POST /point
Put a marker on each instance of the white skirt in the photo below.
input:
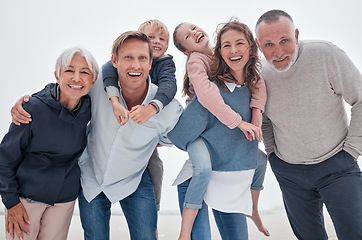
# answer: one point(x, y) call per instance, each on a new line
point(227, 192)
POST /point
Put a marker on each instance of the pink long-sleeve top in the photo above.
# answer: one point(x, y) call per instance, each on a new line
point(199, 70)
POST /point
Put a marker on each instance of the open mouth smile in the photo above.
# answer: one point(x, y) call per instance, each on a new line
point(235, 58)
point(134, 74)
point(200, 37)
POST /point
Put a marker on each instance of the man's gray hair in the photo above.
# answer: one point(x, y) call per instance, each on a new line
point(66, 56)
point(272, 16)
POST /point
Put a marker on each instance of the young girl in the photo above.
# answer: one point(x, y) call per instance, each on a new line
point(194, 43)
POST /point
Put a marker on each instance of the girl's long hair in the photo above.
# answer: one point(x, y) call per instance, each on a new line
point(178, 45)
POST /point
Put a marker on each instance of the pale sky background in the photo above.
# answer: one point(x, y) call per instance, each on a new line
point(34, 32)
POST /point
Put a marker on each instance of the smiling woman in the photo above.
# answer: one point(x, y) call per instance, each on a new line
point(74, 79)
point(39, 170)
point(197, 189)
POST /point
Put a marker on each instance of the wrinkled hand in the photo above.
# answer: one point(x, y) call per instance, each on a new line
point(119, 111)
point(140, 114)
point(18, 114)
point(250, 131)
point(17, 218)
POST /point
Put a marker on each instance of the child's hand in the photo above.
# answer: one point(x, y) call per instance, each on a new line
point(119, 111)
point(257, 119)
point(140, 114)
point(251, 131)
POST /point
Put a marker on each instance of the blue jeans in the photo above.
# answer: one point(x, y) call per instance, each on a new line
point(259, 174)
point(201, 167)
point(336, 182)
point(232, 226)
point(139, 209)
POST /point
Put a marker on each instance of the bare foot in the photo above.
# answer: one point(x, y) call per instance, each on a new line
point(259, 224)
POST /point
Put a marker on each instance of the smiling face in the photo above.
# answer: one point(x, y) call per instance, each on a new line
point(235, 51)
point(278, 42)
point(133, 64)
point(193, 39)
point(74, 80)
point(158, 40)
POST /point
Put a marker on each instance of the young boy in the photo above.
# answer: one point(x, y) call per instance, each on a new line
point(162, 74)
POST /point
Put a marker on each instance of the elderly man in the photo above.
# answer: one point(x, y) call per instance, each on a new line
point(114, 163)
point(312, 149)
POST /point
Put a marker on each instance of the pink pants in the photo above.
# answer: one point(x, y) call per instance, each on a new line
point(46, 221)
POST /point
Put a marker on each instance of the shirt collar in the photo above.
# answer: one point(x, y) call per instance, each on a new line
point(231, 86)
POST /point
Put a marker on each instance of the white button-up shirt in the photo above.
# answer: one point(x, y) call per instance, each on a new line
point(116, 156)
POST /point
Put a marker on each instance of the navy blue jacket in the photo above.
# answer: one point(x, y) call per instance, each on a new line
point(162, 74)
point(39, 160)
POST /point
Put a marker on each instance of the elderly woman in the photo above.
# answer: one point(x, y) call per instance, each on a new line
point(39, 172)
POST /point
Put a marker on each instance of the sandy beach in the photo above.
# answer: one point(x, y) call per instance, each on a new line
point(169, 225)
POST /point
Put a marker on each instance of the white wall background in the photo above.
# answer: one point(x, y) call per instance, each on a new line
point(34, 32)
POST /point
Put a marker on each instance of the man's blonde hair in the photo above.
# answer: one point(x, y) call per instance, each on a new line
point(117, 44)
point(156, 25)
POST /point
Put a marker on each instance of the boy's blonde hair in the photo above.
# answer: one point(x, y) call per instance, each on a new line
point(157, 26)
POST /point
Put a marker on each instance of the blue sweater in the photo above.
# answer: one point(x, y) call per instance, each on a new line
point(162, 74)
point(39, 160)
point(229, 149)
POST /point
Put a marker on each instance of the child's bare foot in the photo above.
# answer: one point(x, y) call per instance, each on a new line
point(259, 224)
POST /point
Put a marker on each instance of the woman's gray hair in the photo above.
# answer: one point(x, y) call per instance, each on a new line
point(66, 56)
